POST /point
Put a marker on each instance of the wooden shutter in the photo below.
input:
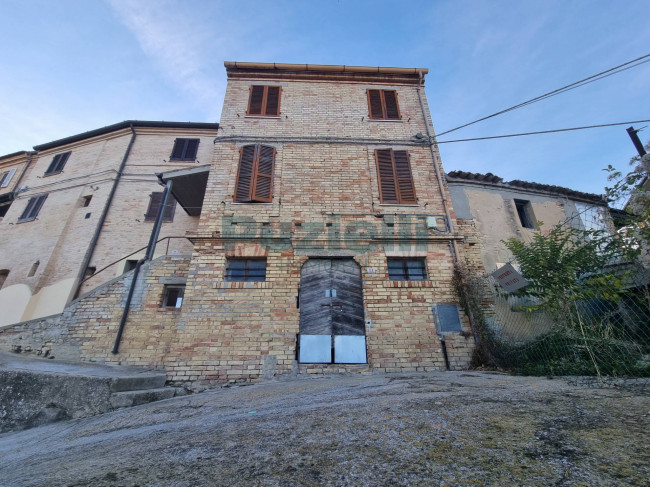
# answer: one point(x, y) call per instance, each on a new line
point(390, 103)
point(255, 175)
point(34, 205)
point(190, 149)
point(245, 174)
point(263, 180)
point(170, 209)
point(177, 151)
point(256, 100)
point(154, 205)
point(387, 187)
point(404, 177)
point(272, 101)
point(374, 102)
point(395, 177)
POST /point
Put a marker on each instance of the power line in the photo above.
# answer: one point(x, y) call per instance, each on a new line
point(542, 132)
point(582, 82)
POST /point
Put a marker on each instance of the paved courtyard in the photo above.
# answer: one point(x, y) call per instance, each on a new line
point(453, 428)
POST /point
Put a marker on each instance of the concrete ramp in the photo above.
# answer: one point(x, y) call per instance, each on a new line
point(35, 391)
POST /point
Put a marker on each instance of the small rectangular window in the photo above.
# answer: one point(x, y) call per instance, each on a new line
point(184, 150)
point(85, 201)
point(4, 207)
point(407, 269)
point(154, 205)
point(129, 265)
point(3, 276)
point(34, 205)
point(525, 212)
point(246, 270)
point(264, 101)
point(173, 296)
point(6, 177)
point(57, 164)
point(383, 105)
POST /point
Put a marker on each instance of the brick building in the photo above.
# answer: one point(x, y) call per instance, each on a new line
point(323, 238)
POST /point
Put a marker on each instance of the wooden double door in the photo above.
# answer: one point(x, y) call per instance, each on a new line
point(332, 326)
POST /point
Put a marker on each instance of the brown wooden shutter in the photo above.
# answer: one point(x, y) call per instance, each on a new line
point(374, 103)
point(272, 101)
point(404, 177)
point(395, 177)
point(263, 180)
point(390, 102)
point(170, 209)
point(245, 173)
point(256, 100)
point(387, 187)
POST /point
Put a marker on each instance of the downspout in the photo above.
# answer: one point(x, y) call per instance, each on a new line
point(452, 244)
point(155, 231)
point(30, 157)
point(102, 218)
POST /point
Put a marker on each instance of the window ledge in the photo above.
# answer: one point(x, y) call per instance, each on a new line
point(277, 117)
point(26, 220)
point(398, 204)
point(385, 120)
point(425, 283)
point(250, 203)
point(47, 175)
point(242, 285)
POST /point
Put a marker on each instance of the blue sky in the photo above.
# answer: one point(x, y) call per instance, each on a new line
point(69, 66)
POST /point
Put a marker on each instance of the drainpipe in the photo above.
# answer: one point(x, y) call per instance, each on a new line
point(102, 218)
point(155, 231)
point(452, 244)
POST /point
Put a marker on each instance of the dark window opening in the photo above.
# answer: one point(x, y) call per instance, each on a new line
point(4, 208)
point(32, 209)
point(90, 270)
point(251, 270)
point(87, 216)
point(85, 201)
point(255, 175)
point(58, 163)
point(173, 296)
point(383, 105)
point(264, 101)
point(184, 150)
point(3, 276)
point(154, 206)
point(407, 270)
point(129, 265)
point(34, 268)
point(525, 212)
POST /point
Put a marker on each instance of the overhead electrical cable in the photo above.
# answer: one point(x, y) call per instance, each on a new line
point(541, 132)
point(603, 74)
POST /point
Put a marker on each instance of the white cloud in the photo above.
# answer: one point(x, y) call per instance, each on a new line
point(175, 43)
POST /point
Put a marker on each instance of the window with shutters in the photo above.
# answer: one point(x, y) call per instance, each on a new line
point(264, 101)
point(395, 177)
point(5, 178)
point(383, 105)
point(249, 270)
point(184, 150)
point(406, 269)
point(57, 164)
point(255, 175)
point(34, 205)
point(154, 205)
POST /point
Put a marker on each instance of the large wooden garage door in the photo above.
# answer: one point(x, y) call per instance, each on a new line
point(332, 327)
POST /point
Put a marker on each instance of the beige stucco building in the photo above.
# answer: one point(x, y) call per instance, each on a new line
point(73, 206)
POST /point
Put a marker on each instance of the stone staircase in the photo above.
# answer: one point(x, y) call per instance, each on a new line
point(35, 391)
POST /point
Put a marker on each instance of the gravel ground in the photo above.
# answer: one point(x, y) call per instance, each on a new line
point(453, 428)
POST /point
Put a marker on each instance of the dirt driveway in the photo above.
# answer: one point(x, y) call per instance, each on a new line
point(453, 428)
